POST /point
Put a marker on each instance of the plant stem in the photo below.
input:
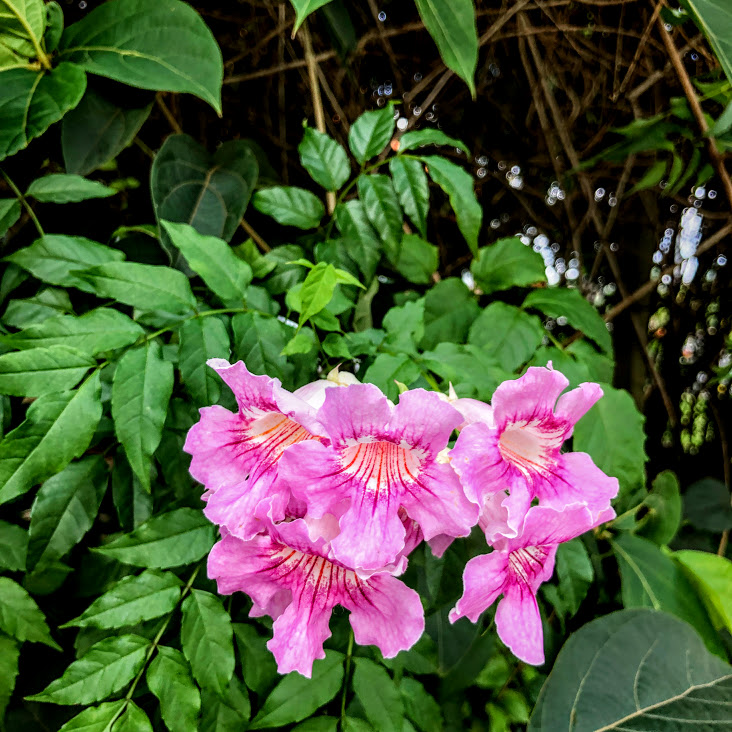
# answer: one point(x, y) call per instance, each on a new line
point(346, 675)
point(24, 202)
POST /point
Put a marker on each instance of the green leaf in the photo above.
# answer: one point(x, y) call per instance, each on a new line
point(55, 23)
point(303, 8)
point(227, 713)
point(575, 574)
point(612, 433)
point(419, 706)
point(410, 183)
point(63, 188)
point(663, 519)
point(96, 719)
point(655, 675)
point(417, 260)
point(169, 678)
point(505, 264)
point(318, 724)
point(97, 130)
point(57, 428)
point(21, 23)
point(362, 244)
point(103, 670)
point(32, 101)
point(652, 177)
point(141, 390)
point(258, 341)
point(47, 303)
point(98, 330)
point(133, 719)
point(65, 509)
point(388, 368)
point(449, 311)
point(209, 192)
point(507, 334)
point(42, 370)
point(13, 547)
point(430, 136)
point(172, 539)
point(316, 291)
point(290, 206)
point(133, 503)
point(714, 18)
point(651, 579)
point(132, 600)
point(712, 576)
point(200, 340)
point(561, 302)
point(296, 697)
point(382, 208)
point(9, 653)
point(451, 23)
point(9, 213)
point(207, 640)
point(324, 159)
point(707, 505)
point(458, 185)
point(54, 257)
point(371, 133)
point(258, 664)
point(146, 286)
point(378, 695)
point(164, 46)
point(20, 617)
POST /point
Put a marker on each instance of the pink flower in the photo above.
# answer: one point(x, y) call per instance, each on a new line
point(235, 456)
point(381, 458)
point(515, 569)
point(519, 449)
point(290, 579)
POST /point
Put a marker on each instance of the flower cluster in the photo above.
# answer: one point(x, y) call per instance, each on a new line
point(321, 494)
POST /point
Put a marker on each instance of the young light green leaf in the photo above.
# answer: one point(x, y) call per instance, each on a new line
point(207, 640)
point(22, 25)
point(362, 244)
point(146, 286)
point(416, 260)
point(296, 697)
point(13, 547)
point(169, 678)
point(102, 671)
point(451, 23)
point(371, 133)
point(54, 257)
point(227, 713)
point(303, 8)
point(65, 188)
point(103, 329)
point(304, 341)
point(116, 41)
point(57, 428)
point(9, 653)
point(430, 136)
point(378, 695)
point(65, 509)
point(346, 278)
point(212, 259)
point(20, 617)
point(200, 340)
point(712, 576)
point(316, 291)
point(141, 390)
point(505, 264)
point(382, 208)
point(324, 159)
point(9, 213)
point(290, 206)
point(410, 183)
point(96, 719)
point(172, 539)
point(458, 185)
point(42, 370)
point(134, 599)
point(259, 341)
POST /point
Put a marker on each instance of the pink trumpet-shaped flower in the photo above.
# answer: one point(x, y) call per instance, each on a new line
point(290, 579)
point(381, 458)
point(515, 569)
point(235, 455)
point(519, 449)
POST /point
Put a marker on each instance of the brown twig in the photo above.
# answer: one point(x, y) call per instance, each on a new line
point(172, 121)
point(261, 243)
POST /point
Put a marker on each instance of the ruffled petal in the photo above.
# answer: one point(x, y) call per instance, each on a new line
point(440, 544)
point(502, 516)
point(473, 411)
point(528, 398)
point(484, 579)
point(385, 613)
point(573, 405)
point(548, 526)
point(518, 623)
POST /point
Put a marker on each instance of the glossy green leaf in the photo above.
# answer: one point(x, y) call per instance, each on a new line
point(9, 213)
point(96, 719)
point(13, 547)
point(655, 675)
point(371, 133)
point(429, 136)
point(169, 678)
point(20, 617)
point(55, 258)
point(258, 341)
point(65, 509)
point(712, 576)
point(141, 390)
point(209, 192)
point(64, 188)
point(207, 640)
point(49, 302)
point(663, 519)
point(449, 311)
point(416, 260)
point(296, 697)
point(55, 26)
point(133, 719)
point(360, 241)
point(381, 204)
point(316, 292)
point(200, 340)
point(164, 46)
point(132, 600)
point(388, 368)
point(227, 713)
point(458, 185)
point(562, 302)
point(146, 286)
point(171, 539)
point(419, 706)
point(133, 503)
point(410, 183)
point(57, 428)
point(505, 264)
point(9, 653)
point(104, 669)
point(42, 370)
point(714, 17)
point(325, 160)
point(258, 664)
point(318, 724)
point(31, 101)
point(379, 696)
point(290, 206)
point(575, 573)
point(303, 8)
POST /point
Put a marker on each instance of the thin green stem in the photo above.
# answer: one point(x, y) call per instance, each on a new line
point(24, 203)
point(31, 35)
point(346, 677)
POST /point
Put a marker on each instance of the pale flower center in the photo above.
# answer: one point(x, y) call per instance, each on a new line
point(381, 465)
point(273, 433)
point(527, 562)
point(529, 448)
